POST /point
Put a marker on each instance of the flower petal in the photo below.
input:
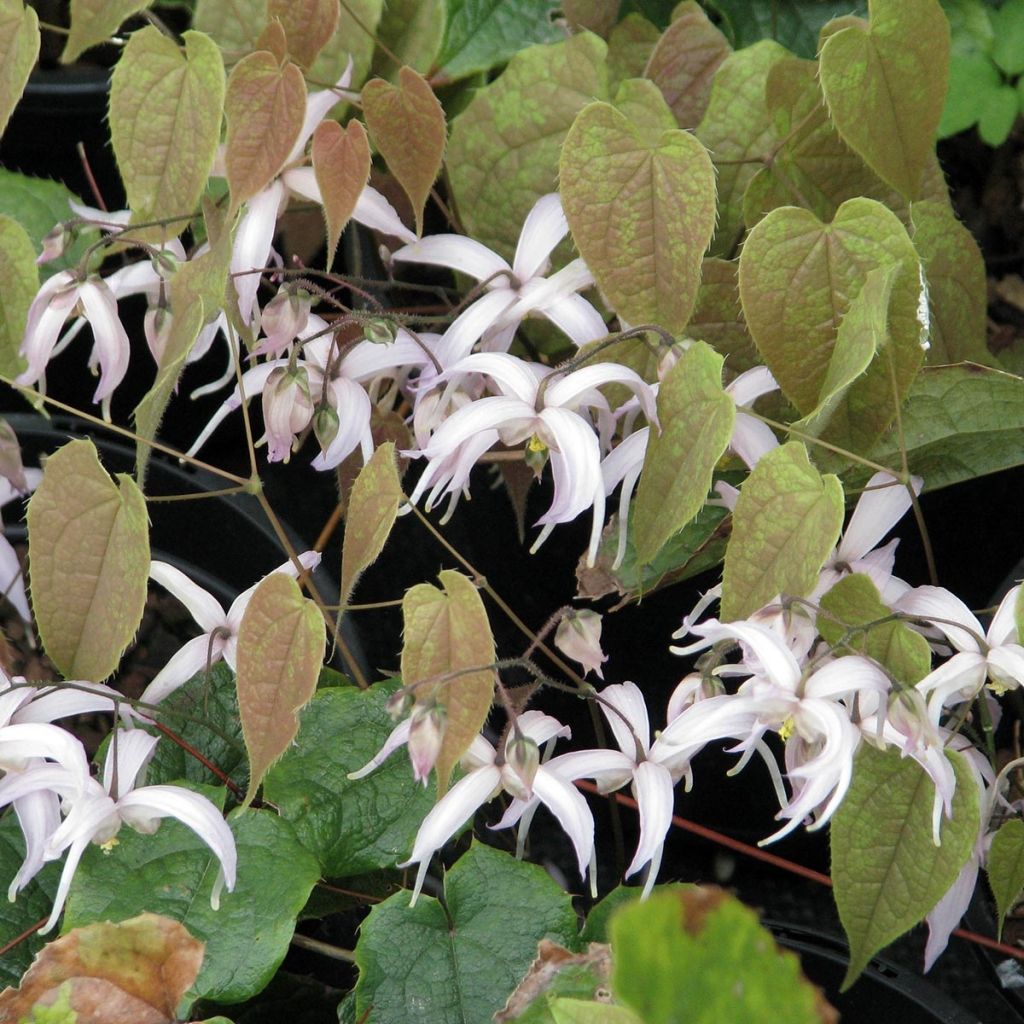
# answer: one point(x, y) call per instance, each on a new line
point(882, 505)
point(458, 253)
point(545, 226)
point(654, 794)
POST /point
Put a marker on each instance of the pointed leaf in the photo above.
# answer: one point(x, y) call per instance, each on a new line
point(736, 127)
point(685, 60)
point(641, 103)
point(19, 48)
point(407, 125)
point(354, 39)
point(341, 162)
point(413, 30)
point(461, 958)
point(20, 275)
point(274, 40)
point(88, 549)
point(887, 872)
point(265, 106)
point(308, 24)
point(165, 114)
point(281, 644)
point(630, 45)
point(697, 418)
point(1005, 868)
point(641, 215)
point(448, 631)
point(885, 84)
point(372, 510)
point(787, 521)
point(504, 147)
point(95, 21)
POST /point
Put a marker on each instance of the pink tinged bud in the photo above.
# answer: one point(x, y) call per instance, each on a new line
point(156, 326)
point(579, 637)
point(326, 424)
point(426, 734)
point(54, 244)
point(399, 705)
point(522, 759)
point(287, 409)
point(380, 332)
point(284, 317)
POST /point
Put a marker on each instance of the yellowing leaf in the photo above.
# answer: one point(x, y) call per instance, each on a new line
point(341, 163)
point(308, 24)
point(372, 509)
point(407, 125)
point(95, 21)
point(447, 631)
point(685, 60)
point(885, 83)
point(641, 214)
point(19, 48)
point(265, 106)
point(280, 653)
point(20, 276)
point(165, 114)
point(88, 550)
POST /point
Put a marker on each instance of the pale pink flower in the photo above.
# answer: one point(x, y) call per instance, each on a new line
point(578, 636)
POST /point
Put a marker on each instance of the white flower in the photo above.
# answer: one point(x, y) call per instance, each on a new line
point(579, 637)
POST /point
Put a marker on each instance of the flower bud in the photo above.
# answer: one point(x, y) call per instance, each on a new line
point(579, 637)
point(287, 409)
point(282, 318)
point(166, 264)
point(426, 734)
point(522, 759)
point(380, 331)
point(156, 326)
point(54, 243)
point(399, 704)
point(326, 423)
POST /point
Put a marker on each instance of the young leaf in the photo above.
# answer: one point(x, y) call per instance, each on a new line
point(448, 631)
point(641, 214)
point(463, 958)
point(887, 871)
point(233, 27)
point(95, 21)
point(352, 825)
point(697, 419)
point(407, 125)
point(341, 163)
point(280, 650)
point(718, 315)
point(19, 49)
point(885, 84)
point(165, 114)
point(597, 16)
point(413, 30)
point(736, 128)
point(88, 549)
point(1005, 868)
point(308, 25)
point(641, 103)
point(273, 40)
point(501, 161)
point(787, 521)
point(630, 45)
point(701, 948)
point(1008, 37)
point(265, 106)
point(354, 39)
point(685, 60)
point(372, 510)
point(20, 276)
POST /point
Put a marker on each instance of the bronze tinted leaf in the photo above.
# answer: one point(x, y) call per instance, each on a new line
point(341, 162)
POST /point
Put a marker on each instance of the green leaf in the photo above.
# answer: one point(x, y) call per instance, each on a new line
point(701, 948)
point(481, 34)
point(462, 959)
point(999, 115)
point(281, 642)
point(595, 929)
point(794, 24)
point(20, 275)
point(579, 1011)
point(234, 27)
point(308, 25)
point(354, 37)
point(19, 49)
point(685, 60)
point(718, 316)
point(165, 114)
point(172, 873)
point(970, 26)
point(887, 871)
point(855, 602)
point(413, 30)
point(885, 85)
point(630, 46)
point(504, 147)
point(88, 555)
point(959, 422)
point(1005, 868)
point(973, 79)
point(641, 214)
point(447, 631)
point(786, 523)
point(95, 21)
point(352, 826)
point(641, 103)
point(1008, 37)
point(697, 418)
point(736, 127)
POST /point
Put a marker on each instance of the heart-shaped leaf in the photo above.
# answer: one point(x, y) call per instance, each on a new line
point(308, 25)
point(95, 21)
point(19, 48)
point(1005, 868)
point(20, 275)
point(341, 163)
point(630, 45)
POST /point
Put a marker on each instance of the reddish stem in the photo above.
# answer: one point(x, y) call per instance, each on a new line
point(22, 937)
point(201, 758)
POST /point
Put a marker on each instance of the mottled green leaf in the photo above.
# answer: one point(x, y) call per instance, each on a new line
point(459, 961)
point(885, 85)
point(1005, 868)
point(308, 25)
point(413, 31)
point(504, 147)
point(482, 34)
point(786, 523)
point(341, 163)
point(697, 419)
point(20, 275)
point(447, 631)
point(642, 215)
point(233, 26)
point(640, 102)
point(718, 316)
point(794, 24)
point(1008, 36)
point(701, 948)
point(19, 48)
point(736, 127)
point(352, 825)
point(630, 45)
point(165, 114)
point(887, 872)
point(598, 16)
point(95, 21)
point(88, 555)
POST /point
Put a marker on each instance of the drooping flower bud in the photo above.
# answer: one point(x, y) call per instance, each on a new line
point(426, 734)
point(166, 264)
point(287, 409)
point(54, 243)
point(282, 318)
point(579, 637)
point(380, 331)
point(156, 326)
point(399, 704)
point(522, 759)
point(326, 423)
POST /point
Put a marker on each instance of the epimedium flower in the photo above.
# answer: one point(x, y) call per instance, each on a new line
point(578, 636)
